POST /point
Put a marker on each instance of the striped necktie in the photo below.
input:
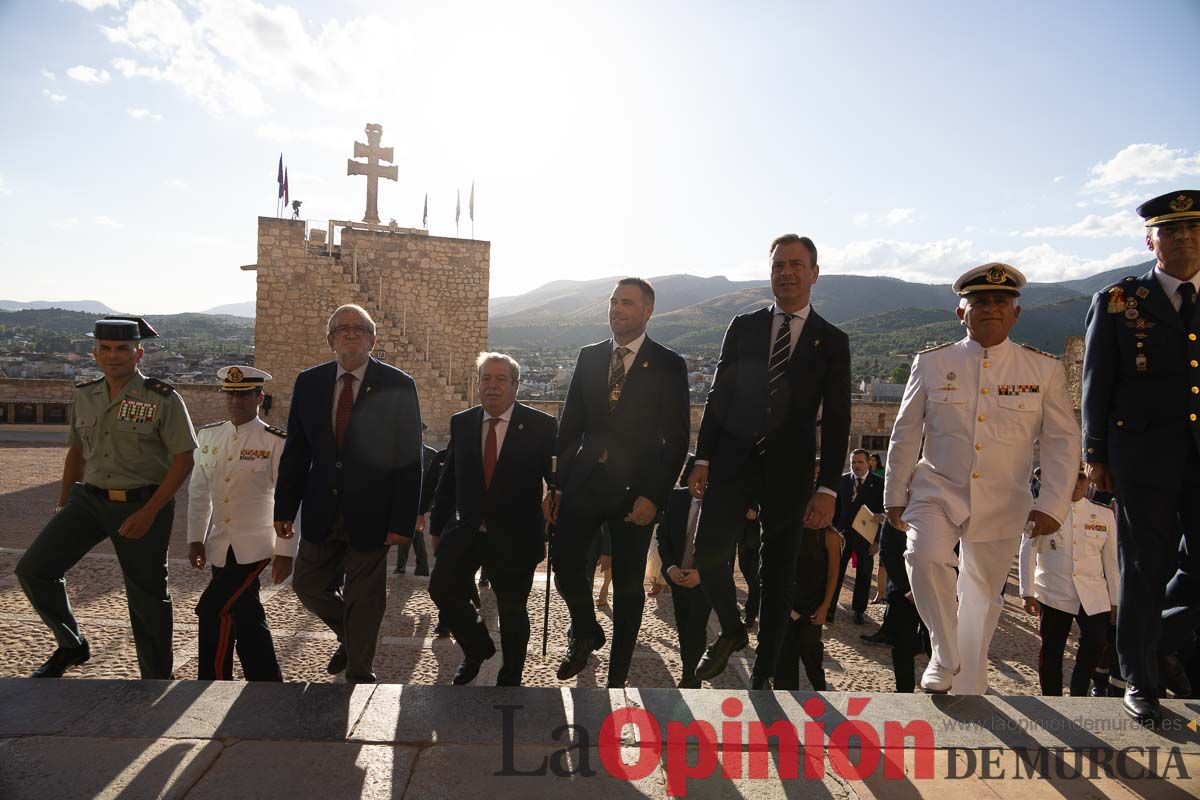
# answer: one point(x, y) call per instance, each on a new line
point(616, 377)
point(776, 369)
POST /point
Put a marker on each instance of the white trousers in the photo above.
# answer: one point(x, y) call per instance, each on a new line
point(960, 635)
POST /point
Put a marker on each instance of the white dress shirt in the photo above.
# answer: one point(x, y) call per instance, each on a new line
point(796, 323)
point(1170, 284)
point(1076, 565)
point(354, 387)
point(501, 429)
point(233, 487)
point(965, 434)
point(631, 356)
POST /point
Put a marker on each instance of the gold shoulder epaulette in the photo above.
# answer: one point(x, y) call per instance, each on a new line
point(92, 382)
point(161, 387)
point(210, 425)
point(280, 432)
point(935, 347)
point(1040, 352)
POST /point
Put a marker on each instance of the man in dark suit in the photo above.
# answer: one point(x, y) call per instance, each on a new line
point(859, 487)
point(758, 441)
point(488, 510)
point(622, 440)
point(677, 550)
point(353, 457)
point(1141, 422)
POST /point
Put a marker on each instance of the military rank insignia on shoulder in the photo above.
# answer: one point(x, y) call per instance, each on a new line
point(1040, 352)
point(211, 425)
point(159, 387)
point(92, 382)
point(280, 432)
point(935, 347)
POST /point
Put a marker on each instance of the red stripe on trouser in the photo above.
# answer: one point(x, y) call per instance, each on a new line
point(227, 621)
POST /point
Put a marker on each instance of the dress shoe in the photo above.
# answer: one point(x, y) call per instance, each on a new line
point(469, 668)
point(938, 679)
point(688, 682)
point(716, 656)
point(398, 571)
point(1174, 676)
point(750, 622)
point(441, 631)
point(421, 572)
point(1143, 707)
point(858, 618)
point(760, 682)
point(63, 659)
point(337, 662)
point(878, 637)
point(577, 656)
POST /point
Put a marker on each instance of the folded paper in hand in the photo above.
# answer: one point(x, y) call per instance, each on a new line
point(865, 525)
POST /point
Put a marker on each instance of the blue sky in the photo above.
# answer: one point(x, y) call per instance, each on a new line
point(140, 137)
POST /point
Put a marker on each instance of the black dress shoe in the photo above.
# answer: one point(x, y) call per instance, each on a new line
point(469, 668)
point(716, 657)
point(688, 682)
point(63, 659)
point(1174, 676)
point(1142, 707)
point(337, 662)
point(578, 653)
point(760, 682)
point(878, 637)
point(421, 572)
point(858, 618)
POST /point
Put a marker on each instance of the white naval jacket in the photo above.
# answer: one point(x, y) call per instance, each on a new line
point(233, 485)
point(1077, 564)
point(977, 414)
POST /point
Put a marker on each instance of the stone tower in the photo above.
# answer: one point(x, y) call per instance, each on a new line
point(427, 294)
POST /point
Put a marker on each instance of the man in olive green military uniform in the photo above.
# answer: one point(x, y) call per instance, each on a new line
point(130, 449)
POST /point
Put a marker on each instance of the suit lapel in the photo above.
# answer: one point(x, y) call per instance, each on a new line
point(328, 379)
point(512, 436)
point(369, 381)
point(473, 449)
point(643, 361)
point(809, 342)
point(1156, 304)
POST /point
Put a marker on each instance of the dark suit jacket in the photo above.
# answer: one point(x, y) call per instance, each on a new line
point(374, 482)
point(818, 377)
point(672, 531)
point(646, 436)
point(1137, 384)
point(433, 461)
point(871, 495)
point(512, 506)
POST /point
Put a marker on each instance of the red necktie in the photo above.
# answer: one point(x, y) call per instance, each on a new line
point(344, 407)
point(489, 452)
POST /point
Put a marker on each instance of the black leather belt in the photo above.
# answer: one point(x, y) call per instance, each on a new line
point(135, 495)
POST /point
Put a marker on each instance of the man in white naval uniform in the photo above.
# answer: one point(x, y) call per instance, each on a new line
point(1072, 575)
point(233, 486)
point(958, 471)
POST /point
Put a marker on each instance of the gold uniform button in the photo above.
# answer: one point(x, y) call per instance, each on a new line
point(1141, 345)
point(1191, 337)
point(982, 417)
point(1196, 390)
point(974, 475)
point(1120, 423)
point(1194, 363)
point(227, 519)
point(986, 364)
point(978, 447)
point(1192, 417)
point(984, 390)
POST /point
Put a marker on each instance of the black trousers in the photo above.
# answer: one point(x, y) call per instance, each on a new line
point(801, 645)
point(86, 520)
point(600, 500)
point(722, 518)
point(1054, 627)
point(901, 622)
point(1153, 519)
point(692, 611)
point(231, 615)
point(417, 545)
point(748, 561)
point(863, 573)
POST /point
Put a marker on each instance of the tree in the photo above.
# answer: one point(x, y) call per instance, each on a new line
point(899, 374)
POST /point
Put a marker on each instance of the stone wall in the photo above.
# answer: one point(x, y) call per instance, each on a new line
point(427, 294)
point(1073, 362)
point(204, 403)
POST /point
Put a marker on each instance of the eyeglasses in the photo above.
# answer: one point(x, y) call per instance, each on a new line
point(351, 330)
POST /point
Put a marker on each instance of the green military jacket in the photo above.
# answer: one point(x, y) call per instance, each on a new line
point(130, 440)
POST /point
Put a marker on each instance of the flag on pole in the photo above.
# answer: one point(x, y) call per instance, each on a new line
point(286, 198)
point(425, 213)
point(457, 206)
point(279, 181)
point(471, 202)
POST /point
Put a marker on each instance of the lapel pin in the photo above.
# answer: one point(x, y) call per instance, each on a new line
point(521, 427)
point(368, 388)
point(1142, 292)
point(816, 342)
point(645, 364)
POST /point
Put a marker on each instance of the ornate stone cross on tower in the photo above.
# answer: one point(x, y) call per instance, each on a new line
point(374, 170)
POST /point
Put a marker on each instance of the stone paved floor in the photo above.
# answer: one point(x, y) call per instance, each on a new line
point(28, 490)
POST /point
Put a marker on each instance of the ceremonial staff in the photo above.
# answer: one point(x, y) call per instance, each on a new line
point(550, 527)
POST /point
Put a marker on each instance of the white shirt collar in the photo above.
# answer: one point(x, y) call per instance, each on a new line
point(506, 416)
point(976, 348)
point(802, 313)
point(256, 422)
point(1170, 284)
point(357, 373)
point(633, 346)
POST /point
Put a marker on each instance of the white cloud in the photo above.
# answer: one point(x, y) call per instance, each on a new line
point(1142, 164)
point(48, 75)
point(235, 54)
point(92, 5)
point(177, 184)
point(341, 139)
point(4, 186)
point(1122, 224)
point(1043, 263)
point(107, 222)
point(54, 98)
point(143, 113)
point(88, 74)
point(1058, 178)
point(897, 216)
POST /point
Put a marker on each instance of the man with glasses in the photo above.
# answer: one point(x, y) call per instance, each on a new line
point(353, 458)
point(958, 472)
point(1141, 421)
